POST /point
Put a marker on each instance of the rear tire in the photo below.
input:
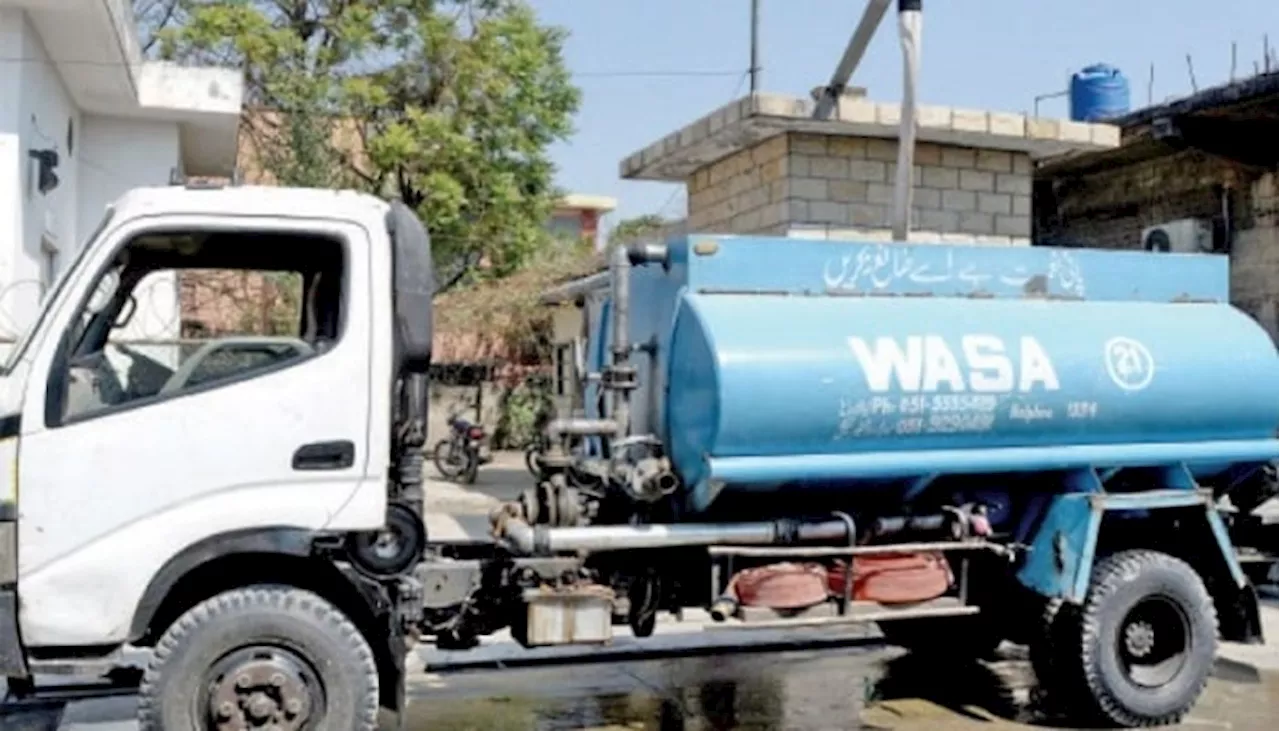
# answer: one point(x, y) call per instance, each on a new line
point(270, 653)
point(1147, 635)
point(472, 470)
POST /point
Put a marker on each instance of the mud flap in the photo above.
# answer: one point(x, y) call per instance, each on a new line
point(394, 676)
point(13, 659)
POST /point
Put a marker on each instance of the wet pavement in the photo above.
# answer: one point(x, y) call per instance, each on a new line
point(795, 691)
point(858, 685)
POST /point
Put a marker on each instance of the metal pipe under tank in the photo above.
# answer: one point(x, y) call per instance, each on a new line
point(529, 539)
point(621, 378)
point(617, 406)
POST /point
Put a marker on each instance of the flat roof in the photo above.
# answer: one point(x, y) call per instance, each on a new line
point(1236, 120)
point(757, 117)
point(94, 47)
point(583, 201)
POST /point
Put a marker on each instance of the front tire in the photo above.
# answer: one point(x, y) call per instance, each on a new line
point(260, 656)
point(1148, 633)
point(447, 461)
point(533, 459)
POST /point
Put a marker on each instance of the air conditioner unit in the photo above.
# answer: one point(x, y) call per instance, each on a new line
point(1183, 236)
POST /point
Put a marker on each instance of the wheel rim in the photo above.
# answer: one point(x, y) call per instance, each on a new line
point(1154, 642)
point(263, 687)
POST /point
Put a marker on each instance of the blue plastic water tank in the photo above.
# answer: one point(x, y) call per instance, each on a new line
point(1098, 92)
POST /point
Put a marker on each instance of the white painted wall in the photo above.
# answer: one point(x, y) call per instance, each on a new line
point(11, 154)
point(104, 157)
point(39, 111)
point(119, 154)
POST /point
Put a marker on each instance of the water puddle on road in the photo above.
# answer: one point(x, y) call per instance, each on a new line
point(829, 690)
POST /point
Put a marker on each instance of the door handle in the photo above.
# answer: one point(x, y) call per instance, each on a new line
point(337, 455)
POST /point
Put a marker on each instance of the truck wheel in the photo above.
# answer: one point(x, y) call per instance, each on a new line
point(1147, 637)
point(264, 657)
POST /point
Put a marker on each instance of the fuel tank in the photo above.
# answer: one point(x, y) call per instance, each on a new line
point(776, 362)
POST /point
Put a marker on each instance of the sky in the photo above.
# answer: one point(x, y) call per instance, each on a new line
point(983, 54)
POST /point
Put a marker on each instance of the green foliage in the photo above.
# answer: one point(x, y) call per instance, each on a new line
point(632, 229)
point(449, 105)
point(523, 412)
point(508, 315)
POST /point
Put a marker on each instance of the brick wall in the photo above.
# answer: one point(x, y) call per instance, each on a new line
point(1254, 260)
point(1111, 207)
point(843, 187)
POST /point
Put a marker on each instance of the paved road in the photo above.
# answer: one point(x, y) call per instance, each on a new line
point(686, 678)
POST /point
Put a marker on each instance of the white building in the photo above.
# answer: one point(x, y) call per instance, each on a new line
point(76, 93)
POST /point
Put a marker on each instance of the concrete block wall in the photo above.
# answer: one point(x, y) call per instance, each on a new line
point(742, 193)
point(842, 187)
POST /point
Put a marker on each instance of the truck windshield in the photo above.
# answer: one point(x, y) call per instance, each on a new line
point(24, 340)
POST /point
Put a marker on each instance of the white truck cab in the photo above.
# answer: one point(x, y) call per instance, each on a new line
point(141, 481)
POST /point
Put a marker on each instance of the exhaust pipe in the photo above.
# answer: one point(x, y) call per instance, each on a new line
point(536, 540)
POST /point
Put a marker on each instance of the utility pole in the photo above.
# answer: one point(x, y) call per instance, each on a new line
point(755, 46)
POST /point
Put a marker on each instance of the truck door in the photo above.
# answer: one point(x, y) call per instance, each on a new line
point(203, 376)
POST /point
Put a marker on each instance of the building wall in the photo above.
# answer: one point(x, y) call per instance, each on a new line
point(841, 187)
point(1254, 260)
point(36, 112)
point(576, 224)
point(1110, 208)
point(99, 159)
point(119, 154)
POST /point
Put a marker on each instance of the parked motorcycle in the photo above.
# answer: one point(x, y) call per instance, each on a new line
point(459, 456)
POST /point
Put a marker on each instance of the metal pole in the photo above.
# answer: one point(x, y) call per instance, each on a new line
point(755, 45)
point(871, 18)
point(620, 350)
point(910, 22)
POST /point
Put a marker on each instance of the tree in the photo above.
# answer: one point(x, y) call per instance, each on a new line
point(449, 105)
point(151, 16)
point(632, 229)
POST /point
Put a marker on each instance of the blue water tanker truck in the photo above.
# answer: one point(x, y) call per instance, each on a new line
point(963, 444)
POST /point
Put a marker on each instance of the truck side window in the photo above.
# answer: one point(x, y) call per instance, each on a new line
point(183, 312)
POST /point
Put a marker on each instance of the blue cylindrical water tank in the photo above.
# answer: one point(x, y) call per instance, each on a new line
point(1098, 92)
point(774, 389)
